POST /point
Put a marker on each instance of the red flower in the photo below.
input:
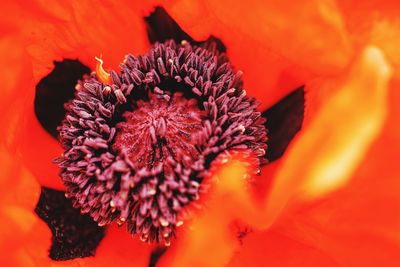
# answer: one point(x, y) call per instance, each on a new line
point(331, 200)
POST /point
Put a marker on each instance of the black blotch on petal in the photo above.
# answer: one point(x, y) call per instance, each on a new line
point(220, 45)
point(74, 235)
point(284, 120)
point(56, 89)
point(161, 27)
point(155, 255)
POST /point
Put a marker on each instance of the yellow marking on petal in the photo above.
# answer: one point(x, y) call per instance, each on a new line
point(210, 226)
point(101, 74)
point(324, 155)
point(348, 125)
point(321, 158)
point(384, 30)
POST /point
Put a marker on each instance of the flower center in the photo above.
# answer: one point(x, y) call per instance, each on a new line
point(159, 131)
point(136, 153)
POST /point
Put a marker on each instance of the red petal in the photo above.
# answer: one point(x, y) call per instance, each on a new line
point(358, 225)
point(19, 193)
point(211, 227)
point(20, 131)
point(119, 248)
point(273, 249)
point(276, 44)
point(84, 29)
point(332, 145)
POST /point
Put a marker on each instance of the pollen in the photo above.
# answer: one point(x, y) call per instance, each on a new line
point(138, 144)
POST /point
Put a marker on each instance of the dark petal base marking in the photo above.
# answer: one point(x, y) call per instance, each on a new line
point(162, 27)
point(156, 255)
point(74, 235)
point(97, 166)
point(284, 120)
point(56, 89)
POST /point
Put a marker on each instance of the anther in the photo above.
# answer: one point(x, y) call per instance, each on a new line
point(137, 150)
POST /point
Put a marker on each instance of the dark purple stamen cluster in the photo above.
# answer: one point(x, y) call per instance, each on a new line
point(160, 130)
point(137, 150)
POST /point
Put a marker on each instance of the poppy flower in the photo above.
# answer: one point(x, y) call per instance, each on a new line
point(325, 74)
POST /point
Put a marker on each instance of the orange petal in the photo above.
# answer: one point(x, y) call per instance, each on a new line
point(212, 226)
point(375, 22)
point(83, 29)
point(19, 190)
point(355, 117)
point(358, 224)
point(271, 41)
point(327, 152)
point(345, 127)
point(273, 249)
point(19, 193)
point(386, 34)
point(79, 29)
point(21, 132)
point(119, 248)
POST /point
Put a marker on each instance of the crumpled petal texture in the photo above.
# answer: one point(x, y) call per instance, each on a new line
point(375, 22)
point(351, 133)
point(354, 225)
point(43, 33)
point(58, 33)
point(331, 227)
point(16, 216)
point(272, 41)
point(358, 224)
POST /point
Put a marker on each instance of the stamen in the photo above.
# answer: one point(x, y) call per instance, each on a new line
point(102, 75)
point(138, 151)
point(160, 130)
